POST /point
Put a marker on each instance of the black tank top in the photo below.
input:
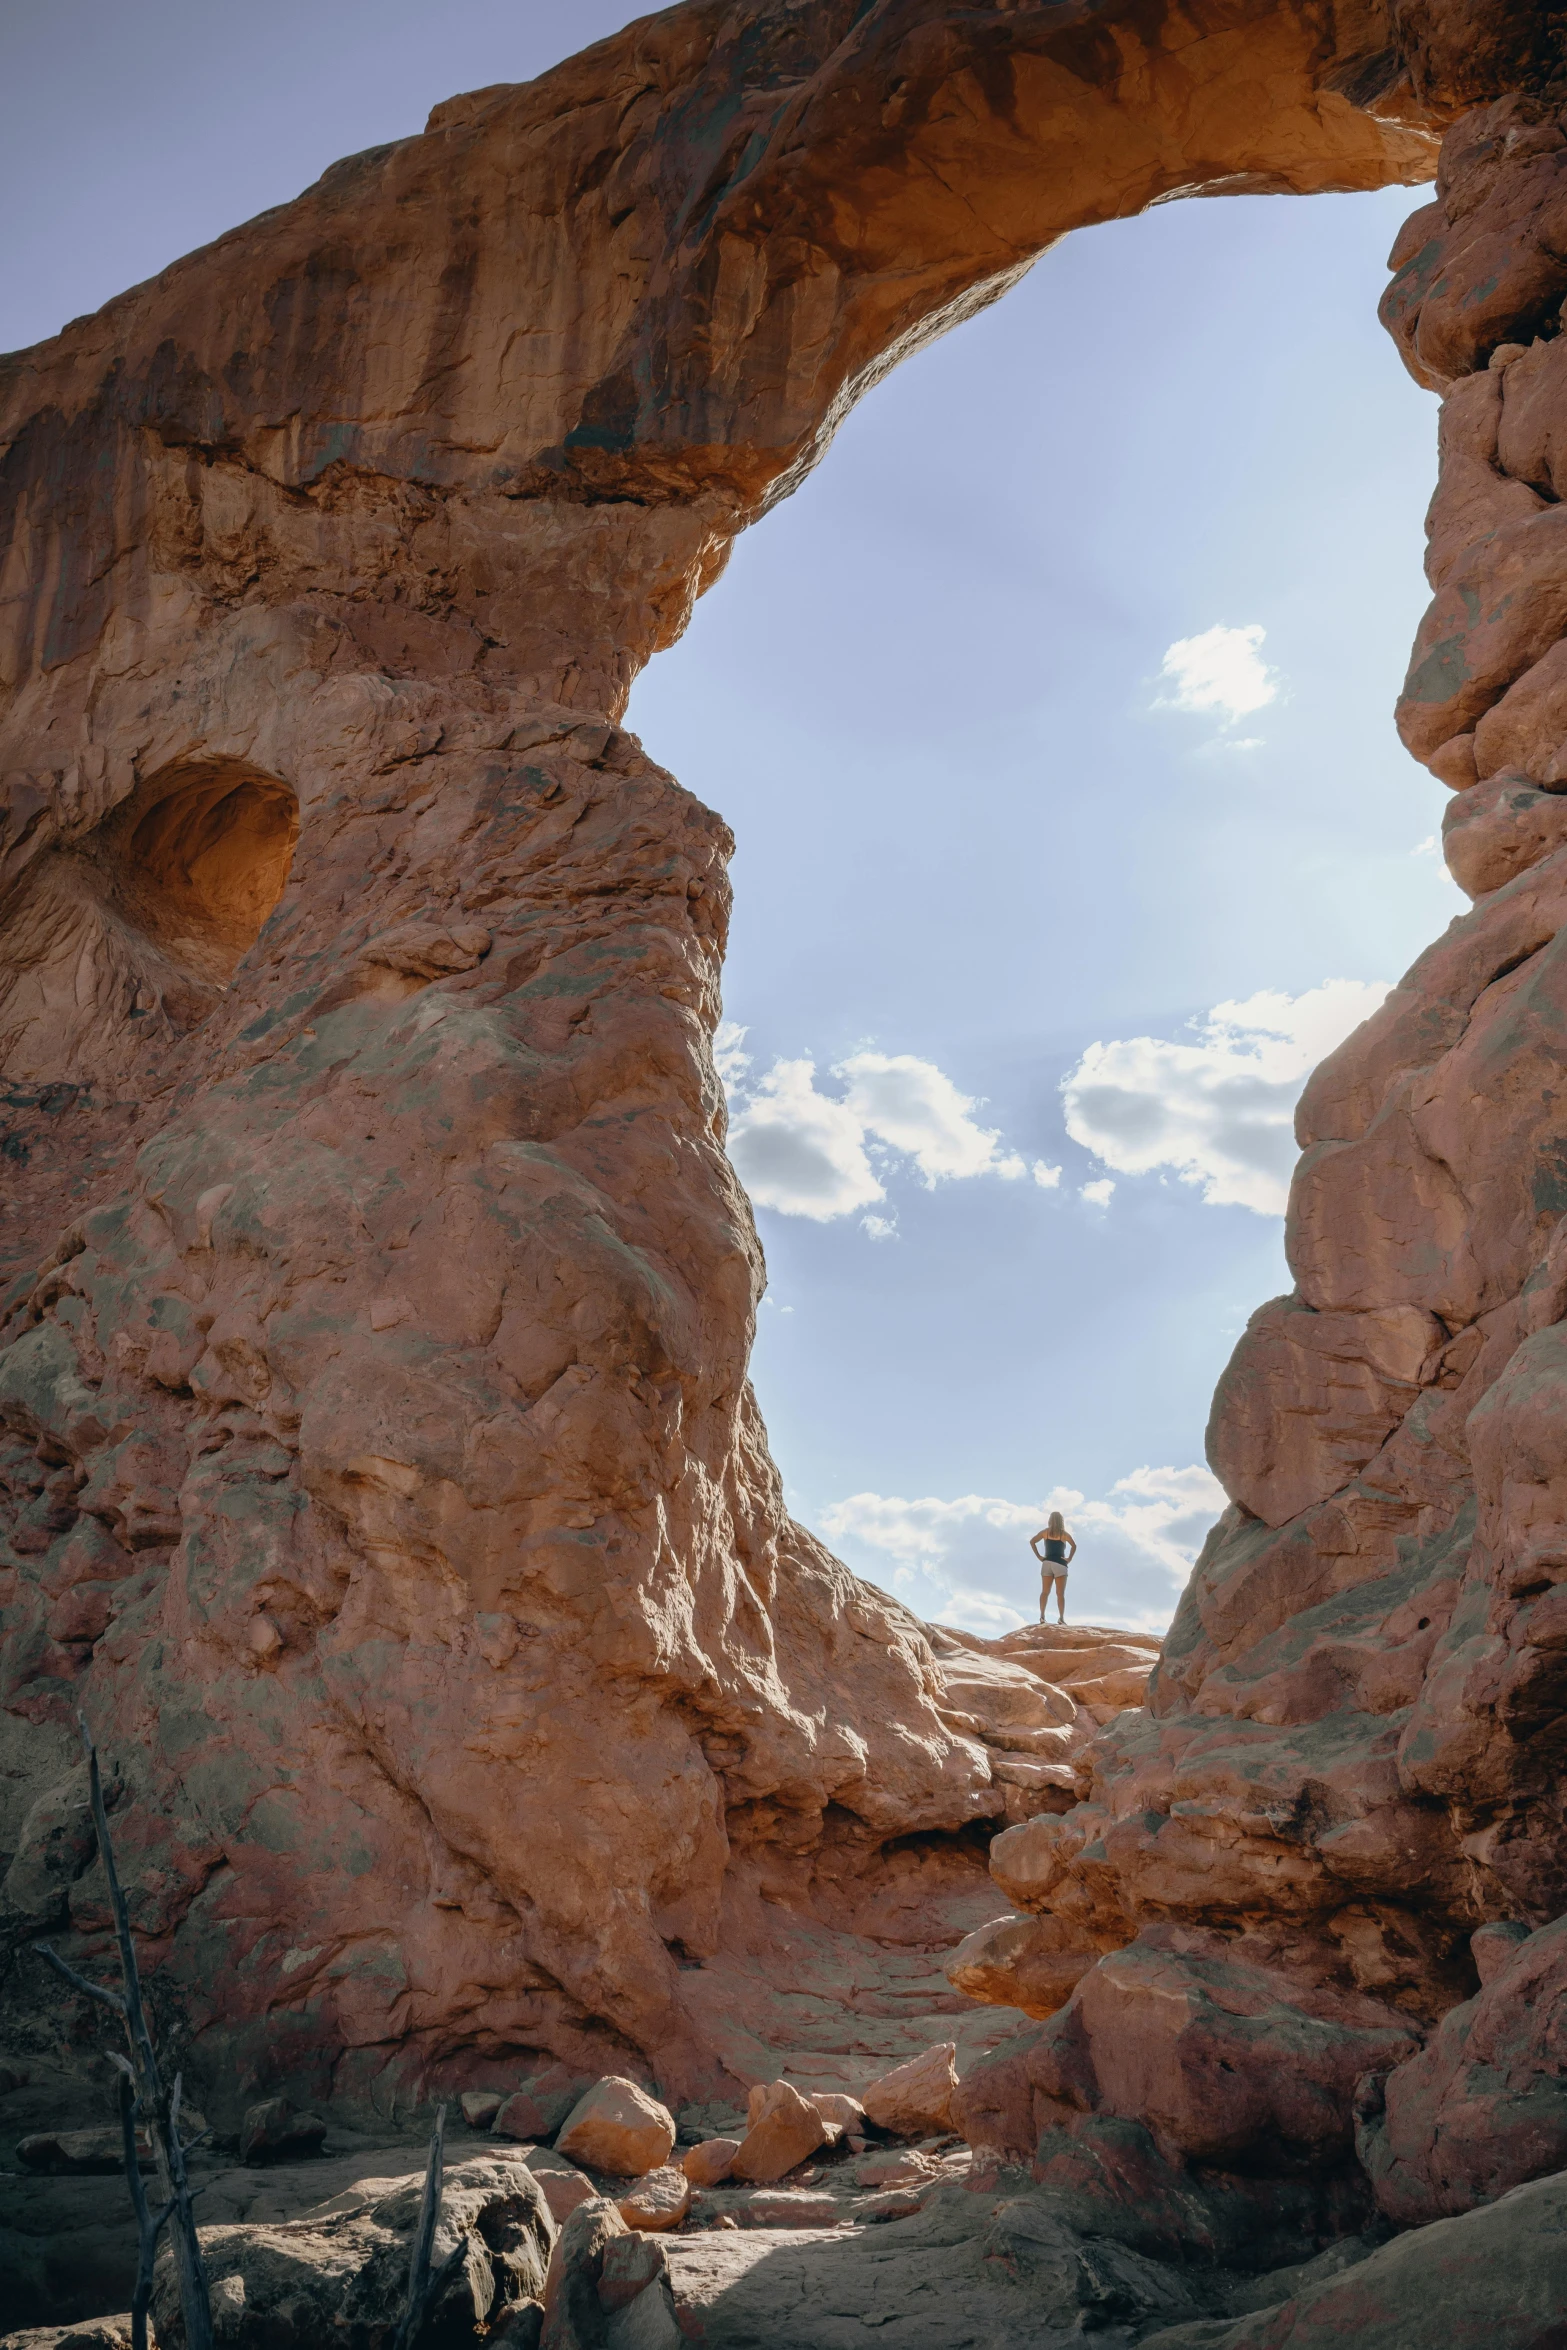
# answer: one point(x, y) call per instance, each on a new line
point(1055, 1550)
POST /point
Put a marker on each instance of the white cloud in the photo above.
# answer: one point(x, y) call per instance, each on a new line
point(1219, 1111)
point(1098, 1194)
point(1047, 1178)
point(1221, 670)
point(967, 1562)
point(909, 1104)
point(730, 1062)
point(800, 1151)
point(1431, 846)
point(807, 1152)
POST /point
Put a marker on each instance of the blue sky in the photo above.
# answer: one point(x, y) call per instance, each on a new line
point(994, 836)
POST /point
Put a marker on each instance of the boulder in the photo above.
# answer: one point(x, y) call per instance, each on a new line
point(1499, 829)
point(1490, 2279)
point(79, 2153)
point(521, 2328)
point(537, 2110)
point(659, 2200)
point(895, 2166)
point(916, 2096)
point(619, 2128)
point(1308, 1397)
point(838, 2111)
point(605, 2289)
point(1228, 2062)
point(784, 2129)
point(275, 2129)
point(1033, 1963)
point(480, 2107)
point(1483, 2107)
point(565, 2188)
point(707, 2164)
point(344, 2278)
point(98, 2333)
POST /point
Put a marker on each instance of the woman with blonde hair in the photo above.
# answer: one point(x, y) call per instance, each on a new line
point(1059, 1551)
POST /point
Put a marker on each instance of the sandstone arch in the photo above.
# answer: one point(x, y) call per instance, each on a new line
point(379, 1365)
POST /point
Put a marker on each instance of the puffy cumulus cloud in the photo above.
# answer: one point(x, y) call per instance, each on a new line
point(1220, 1110)
point(911, 1106)
point(1098, 1194)
point(807, 1152)
point(799, 1151)
point(967, 1562)
point(1221, 670)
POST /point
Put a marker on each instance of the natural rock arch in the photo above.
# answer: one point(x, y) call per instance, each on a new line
point(383, 1474)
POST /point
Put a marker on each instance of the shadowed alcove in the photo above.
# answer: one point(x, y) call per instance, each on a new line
point(130, 936)
point(199, 859)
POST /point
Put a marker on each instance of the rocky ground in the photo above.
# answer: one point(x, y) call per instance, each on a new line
point(821, 1990)
point(909, 2242)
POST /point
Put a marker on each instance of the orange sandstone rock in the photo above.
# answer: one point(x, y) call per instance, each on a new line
point(659, 2200)
point(915, 2097)
point(619, 2128)
point(784, 2129)
point(709, 2163)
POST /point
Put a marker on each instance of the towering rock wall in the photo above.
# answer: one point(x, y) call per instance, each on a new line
point(383, 1481)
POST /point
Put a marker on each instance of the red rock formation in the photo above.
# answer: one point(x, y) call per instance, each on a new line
point(383, 1477)
point(1349, 1786)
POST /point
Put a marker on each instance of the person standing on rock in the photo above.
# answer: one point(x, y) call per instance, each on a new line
point(1059, 1551)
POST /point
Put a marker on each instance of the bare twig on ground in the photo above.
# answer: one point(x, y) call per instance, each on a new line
point(143, 2098)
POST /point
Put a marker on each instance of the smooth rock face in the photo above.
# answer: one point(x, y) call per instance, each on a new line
point(1491, 2278)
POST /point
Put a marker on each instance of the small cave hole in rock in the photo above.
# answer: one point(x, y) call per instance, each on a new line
point(202, 858)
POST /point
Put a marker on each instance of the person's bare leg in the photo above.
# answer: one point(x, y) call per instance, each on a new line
point(1060, 1599)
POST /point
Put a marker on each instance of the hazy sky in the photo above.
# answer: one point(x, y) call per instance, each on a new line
point(1053, 718)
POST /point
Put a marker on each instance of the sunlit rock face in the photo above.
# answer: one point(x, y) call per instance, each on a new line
point(383, 1479)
